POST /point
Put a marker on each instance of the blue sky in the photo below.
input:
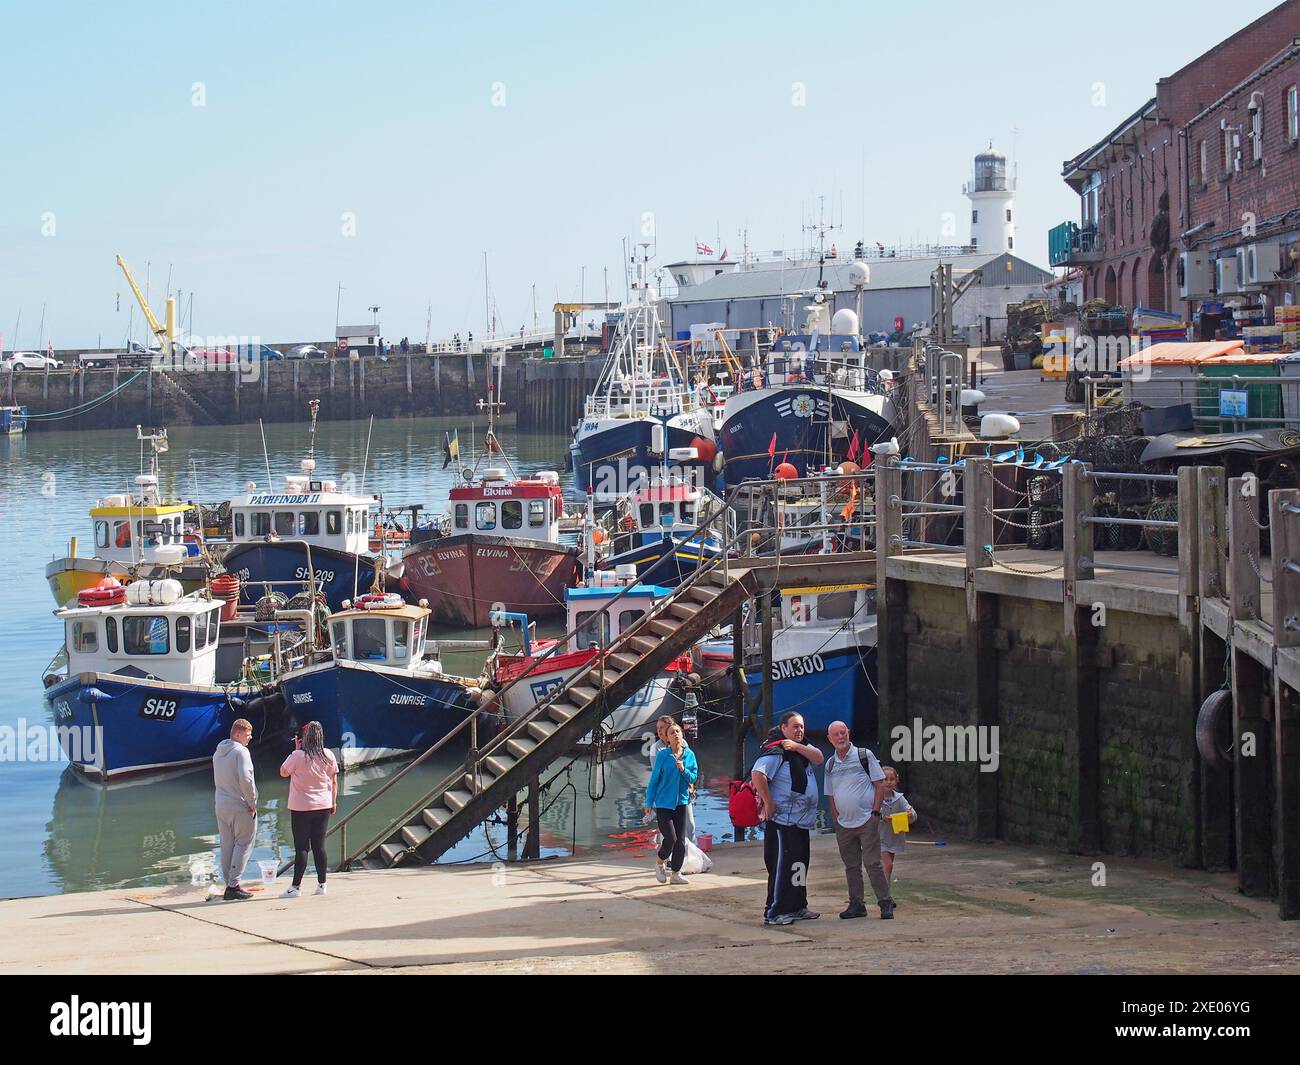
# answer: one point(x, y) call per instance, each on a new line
point(388, 111)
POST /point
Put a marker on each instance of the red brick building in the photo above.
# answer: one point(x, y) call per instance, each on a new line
point(1144, 196)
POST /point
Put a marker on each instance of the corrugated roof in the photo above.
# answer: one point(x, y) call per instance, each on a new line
point(784, 279)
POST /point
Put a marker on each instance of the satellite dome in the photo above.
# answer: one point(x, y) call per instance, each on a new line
point(859, 274)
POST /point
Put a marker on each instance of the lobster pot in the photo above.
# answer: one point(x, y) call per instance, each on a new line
point(1106, 537)
point(1162, 541)
point(1044, 532)
point(1044, 490)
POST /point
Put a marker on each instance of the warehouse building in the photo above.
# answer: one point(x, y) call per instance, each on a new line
point(774, 293)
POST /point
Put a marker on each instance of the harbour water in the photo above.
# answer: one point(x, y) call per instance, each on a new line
point(63, 834)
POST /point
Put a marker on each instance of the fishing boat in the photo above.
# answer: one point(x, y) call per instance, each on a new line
point(13, 420)
point(497, 548)
point(809, 401)
point(310, 536)
point(594, 621)
point(155, 678)
point(136, 534)
point(660, 530)
point(379, 691)
point(643, 385)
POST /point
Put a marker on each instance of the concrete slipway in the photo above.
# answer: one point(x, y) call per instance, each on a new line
point(965, 907)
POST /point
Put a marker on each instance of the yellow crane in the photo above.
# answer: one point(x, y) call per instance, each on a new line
point(165, 334)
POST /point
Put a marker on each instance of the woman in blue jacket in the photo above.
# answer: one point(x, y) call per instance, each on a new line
point(675, 771)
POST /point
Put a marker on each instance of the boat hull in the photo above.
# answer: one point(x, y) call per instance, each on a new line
point(113, 726)
point(611, 456)
point(465, 577)
point(665, 562)
point(800, 417)
point(826, 686)
point(632, 722)
point(339, 574)
point(370, 713)
point(69, 576)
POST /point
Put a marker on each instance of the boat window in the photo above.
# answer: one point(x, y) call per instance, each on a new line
point(239, 524)
point(101, 534)
point(213, 615)
point(110, 634)
point(418, 642)
point(261, 523)
point(647, 515)
point(85, 637)
point(628, 618)
point(688, 513)
point(485, 515)
point(201, 631)
point(537, 512)
point(666, 513)
point(512, 514)
point(339, 638)
point(284, 523)
point(309, 523)
point(333, 522)
point(370, 639)
point(592, 626)
point(800, 611)
point(182, 635)
point(121, 534)
point(147, 634)
point(401, 634)
point(835, 605)
point(462, 515)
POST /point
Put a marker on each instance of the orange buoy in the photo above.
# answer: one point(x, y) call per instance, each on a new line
point(707, 450)
point(786, 472)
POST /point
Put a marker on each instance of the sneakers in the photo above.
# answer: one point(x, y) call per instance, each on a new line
point(856, 909)
point(806, 915)
point(887, 907)
point(661, 873)
point(320, 889)
point(291, 893)
point(677, 878)
point(781, 919)
point(234, 893)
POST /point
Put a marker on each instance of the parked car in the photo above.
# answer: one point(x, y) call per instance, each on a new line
point(307, 351)
point(249, 352)
point(29, 360)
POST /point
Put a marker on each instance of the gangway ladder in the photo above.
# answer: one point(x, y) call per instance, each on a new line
point(491, 776)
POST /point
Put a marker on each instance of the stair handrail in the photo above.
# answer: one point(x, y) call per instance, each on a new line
point(471, 766)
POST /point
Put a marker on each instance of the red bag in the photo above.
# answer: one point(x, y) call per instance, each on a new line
point(742, 804)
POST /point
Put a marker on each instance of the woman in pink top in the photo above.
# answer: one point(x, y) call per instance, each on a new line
point(313, 795)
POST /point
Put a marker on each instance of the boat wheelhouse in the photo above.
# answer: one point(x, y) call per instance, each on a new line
point(597, 616)
point(657, 529)
point(309, 537)
point(13, 420)
point(154, 678)
point(379, 691)
point(135, 534)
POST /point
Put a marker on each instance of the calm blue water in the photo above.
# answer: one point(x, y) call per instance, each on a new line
point(61, 834)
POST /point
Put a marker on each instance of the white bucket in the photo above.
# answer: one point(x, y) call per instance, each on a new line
point(269, 870)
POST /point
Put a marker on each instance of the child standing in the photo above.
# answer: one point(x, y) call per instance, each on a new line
point(894, 802)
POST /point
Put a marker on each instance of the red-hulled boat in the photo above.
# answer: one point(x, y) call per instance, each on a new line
point(498, 549)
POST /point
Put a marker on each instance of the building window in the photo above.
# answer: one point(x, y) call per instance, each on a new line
point(1227, 151)
point(1008, 214)
point(1257, 130)
point(1203, 164)
point(1292, 114)
point(1011, 243)
point(974, 217)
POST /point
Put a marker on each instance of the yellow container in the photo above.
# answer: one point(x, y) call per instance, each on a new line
point(898, 822)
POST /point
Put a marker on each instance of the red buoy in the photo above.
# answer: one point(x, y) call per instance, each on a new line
point(786, 472)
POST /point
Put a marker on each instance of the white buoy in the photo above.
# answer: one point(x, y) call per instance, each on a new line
point(998, 426)
point(170, 554)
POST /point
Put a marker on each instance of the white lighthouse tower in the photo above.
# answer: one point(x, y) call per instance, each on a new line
point(992, 204)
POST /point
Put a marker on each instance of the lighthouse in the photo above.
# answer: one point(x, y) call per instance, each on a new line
point(992, 204)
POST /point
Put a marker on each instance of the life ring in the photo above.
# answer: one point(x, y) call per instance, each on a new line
point(378, 600)
point(1214, 738)
point(629, 522)
point(108, 592)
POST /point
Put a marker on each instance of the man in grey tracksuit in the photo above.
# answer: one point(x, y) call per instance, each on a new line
point(232, 773)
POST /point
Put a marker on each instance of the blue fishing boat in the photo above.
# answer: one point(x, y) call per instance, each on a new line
point(658, 530)
point(379, 691)
point(309, 537)
point(155, 678)
point(13, 420)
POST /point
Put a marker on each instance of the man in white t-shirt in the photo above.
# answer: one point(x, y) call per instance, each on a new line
point(851, 777)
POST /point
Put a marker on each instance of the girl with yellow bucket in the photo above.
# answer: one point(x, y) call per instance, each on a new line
point(896, 817)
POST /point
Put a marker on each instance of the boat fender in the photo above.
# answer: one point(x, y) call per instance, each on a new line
point(94, 695)
point(1214, 738)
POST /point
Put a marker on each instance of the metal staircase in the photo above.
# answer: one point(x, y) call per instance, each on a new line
point(491, 775)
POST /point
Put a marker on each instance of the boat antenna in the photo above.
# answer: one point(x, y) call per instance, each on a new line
point(365, 464)
point(266, 458)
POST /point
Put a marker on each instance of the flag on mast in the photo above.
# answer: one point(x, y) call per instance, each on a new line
point(450, 448)
point(702, 248)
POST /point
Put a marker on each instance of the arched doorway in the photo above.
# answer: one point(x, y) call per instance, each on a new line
point(1112, 292)
point(1157, 292)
